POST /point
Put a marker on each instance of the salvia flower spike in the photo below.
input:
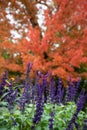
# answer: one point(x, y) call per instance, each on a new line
point(39, 107)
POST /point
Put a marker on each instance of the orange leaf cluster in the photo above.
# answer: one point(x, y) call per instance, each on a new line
point(63, 47)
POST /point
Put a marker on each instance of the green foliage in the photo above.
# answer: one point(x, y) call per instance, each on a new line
point(63, 114)
point(82, 68)
point(5, 54)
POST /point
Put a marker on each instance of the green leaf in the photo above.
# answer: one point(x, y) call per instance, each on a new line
point(38, 128)
point(29, 122)
point(3, 104)
point(5, 54)
point(59, 34)
point(3, 128)
point(1, 117)
point(17, 112)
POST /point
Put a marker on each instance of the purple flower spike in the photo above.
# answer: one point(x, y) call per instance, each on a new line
point(81, 100)
point(29, 67)
point(85, 125)
point(80, 104)
point(51, 121)
point(39, 107)
point(3, 82)
point(10, 98)
point(24, 99)
point(52, 90)
point(71, 90)
point(45, 88)
point(76, 125)
point(60, 92)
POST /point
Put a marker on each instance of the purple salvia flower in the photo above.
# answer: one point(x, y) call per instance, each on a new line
point(33, 127)
point(10, 85)
point(74, 89)
point(22, 105)
point(52, 90)
point(85, 125)
point(27, 81)
point(3, 82)
point(77, 84)
point(81, 100)
point(29, 67)
point(72, 121)
point(45, 88)
point(26, 95)
point(33, 94)
point(80, 103)
point(71, 90)
point(25, 98)
point(10, 98)
point(76, 125)
point(35, 88)
point(13, 120)
point(39, 107)
point(72, 93)
point(60, 92)
point(45, 82)
point(51, 121)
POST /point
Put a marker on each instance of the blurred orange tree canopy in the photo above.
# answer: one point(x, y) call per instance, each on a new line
point(60, 48)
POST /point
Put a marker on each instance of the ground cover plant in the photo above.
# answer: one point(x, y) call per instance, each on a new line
point(42, 104)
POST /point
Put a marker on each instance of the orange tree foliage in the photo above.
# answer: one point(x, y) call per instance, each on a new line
point(63, 47)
